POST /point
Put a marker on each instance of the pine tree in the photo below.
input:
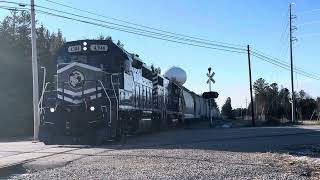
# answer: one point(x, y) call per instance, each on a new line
point(227, 109)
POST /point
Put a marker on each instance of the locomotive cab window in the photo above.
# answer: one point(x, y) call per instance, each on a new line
point(79, 58)
point(95, 60)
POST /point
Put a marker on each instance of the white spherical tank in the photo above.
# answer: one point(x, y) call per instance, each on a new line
point(176, 74)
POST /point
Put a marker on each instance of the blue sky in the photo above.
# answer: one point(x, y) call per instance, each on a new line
point(258, 23)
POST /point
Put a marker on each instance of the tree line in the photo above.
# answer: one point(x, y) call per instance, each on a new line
point(16, 70)
point(272, 104)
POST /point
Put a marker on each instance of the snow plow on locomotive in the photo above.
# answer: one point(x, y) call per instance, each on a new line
point(101, 92)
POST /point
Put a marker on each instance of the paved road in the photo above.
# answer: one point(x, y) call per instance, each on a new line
point(181, 154)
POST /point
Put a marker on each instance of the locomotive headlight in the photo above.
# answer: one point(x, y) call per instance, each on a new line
point(52, 110)
point(92, 108)
point(85, 43)
point(84, 48)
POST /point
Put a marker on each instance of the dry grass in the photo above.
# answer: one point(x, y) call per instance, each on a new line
point(310, 122)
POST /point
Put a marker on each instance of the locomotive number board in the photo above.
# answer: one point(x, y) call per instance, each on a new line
point(76, 48)
point(97, 47)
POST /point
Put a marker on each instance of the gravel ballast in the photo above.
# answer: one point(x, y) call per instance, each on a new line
point(161, 158)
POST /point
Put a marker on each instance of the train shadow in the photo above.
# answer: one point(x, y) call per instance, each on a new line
point(173, 144)
point(260, 139)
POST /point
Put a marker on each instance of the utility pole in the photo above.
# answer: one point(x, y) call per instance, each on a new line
point(250, 78)
point(291, 60)
point(34, 74)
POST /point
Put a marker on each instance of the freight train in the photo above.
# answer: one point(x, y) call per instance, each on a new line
point(100, 92)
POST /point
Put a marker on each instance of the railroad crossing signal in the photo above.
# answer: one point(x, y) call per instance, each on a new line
point(210, 76)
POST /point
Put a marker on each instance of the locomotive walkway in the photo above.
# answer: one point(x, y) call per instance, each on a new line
point(17, 156)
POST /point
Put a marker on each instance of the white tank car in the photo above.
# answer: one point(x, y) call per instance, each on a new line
point(194, 107)
point(176, 74)
point(188, 111)
point(197, 102)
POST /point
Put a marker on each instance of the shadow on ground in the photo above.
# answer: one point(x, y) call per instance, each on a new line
point(260, 139)
point(246, 140)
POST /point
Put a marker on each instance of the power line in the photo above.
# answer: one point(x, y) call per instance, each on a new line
point(136, 33)
point(255, 52)
point(283, 63)
point(209, 44)
point(271, 61)
point(10, 8)
point(285, 27)
point(280, 61)
point(140, 31)
point(295, 69)
point(143, 31)
point(285, 66)
point(302, 72)
point(139, 25)
point(285, 52)
point(284, 34)
point(11, 2)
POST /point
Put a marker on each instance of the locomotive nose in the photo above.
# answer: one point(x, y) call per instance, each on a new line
point(77, 82)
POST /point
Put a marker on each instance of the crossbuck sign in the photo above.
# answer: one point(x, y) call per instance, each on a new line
point(210, 76)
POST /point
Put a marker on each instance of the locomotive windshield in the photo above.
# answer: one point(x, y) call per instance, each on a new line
point(94, 60)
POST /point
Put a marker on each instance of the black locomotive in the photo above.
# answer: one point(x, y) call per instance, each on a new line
point(101, 92)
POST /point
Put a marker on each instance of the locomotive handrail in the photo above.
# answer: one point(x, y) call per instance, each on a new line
point(41, 97)
point(114, 91)
point(104, 89)
point(44, 76)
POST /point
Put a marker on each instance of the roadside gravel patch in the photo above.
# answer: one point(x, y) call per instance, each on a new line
point(176, 164)
point(243, 153)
